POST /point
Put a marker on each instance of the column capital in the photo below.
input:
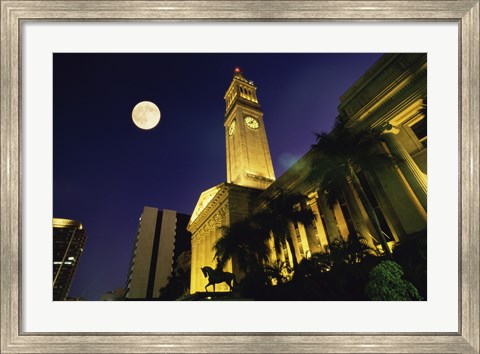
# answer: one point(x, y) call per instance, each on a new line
point(389, 128)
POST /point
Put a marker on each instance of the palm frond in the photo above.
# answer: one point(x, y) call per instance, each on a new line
point(245, 242)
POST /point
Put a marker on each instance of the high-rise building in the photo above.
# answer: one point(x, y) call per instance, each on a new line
point(68, 242)
point(390, 96)
point(161, 237)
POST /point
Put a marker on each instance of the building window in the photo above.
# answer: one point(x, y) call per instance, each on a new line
point(420, 130)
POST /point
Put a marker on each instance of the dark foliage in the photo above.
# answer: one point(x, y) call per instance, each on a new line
point(177, 286)
point(341, 275)
point(246, 242)
point(323, 277)
point(411, 254)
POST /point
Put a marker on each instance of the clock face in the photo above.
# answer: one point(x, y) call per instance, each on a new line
point(251, 122)
point(231, 128)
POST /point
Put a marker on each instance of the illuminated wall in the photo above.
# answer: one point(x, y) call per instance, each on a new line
point(219, 206)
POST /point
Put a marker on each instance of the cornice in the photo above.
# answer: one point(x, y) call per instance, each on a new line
point(411, 92)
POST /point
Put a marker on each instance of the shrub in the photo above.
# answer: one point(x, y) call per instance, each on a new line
point(386, 283)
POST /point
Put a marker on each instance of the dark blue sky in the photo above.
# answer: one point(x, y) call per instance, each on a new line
point(105, 169)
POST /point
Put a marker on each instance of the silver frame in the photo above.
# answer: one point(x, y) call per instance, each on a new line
point(465, 13)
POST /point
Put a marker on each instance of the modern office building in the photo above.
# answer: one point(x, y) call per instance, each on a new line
point(68, 242)
point(390, 96)
point(161, 238)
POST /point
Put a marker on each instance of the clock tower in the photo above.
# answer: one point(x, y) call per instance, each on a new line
point(249, 163)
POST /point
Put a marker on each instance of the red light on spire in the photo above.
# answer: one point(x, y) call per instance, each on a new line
point(237, 70)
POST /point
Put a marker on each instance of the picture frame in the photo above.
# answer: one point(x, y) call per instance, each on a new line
point(14, 13)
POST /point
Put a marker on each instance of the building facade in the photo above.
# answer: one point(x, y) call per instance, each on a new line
point(68, 241)
point(390, 96)
point(161, 238)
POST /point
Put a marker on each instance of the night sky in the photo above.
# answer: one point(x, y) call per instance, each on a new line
point(105, 169)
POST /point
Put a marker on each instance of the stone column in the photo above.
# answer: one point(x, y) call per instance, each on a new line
point(293, 236)
point(289, 253)
point(321, 232)
point(333, 234)
point(211, 261)
point(302, 230)
point(202, 281)
point(414, 176)
point(312, 240)
point(273, 256)
point(193, 266)
point(359, 219)
point(342, 224)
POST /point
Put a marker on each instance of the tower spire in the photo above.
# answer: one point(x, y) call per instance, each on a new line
point(237, 72)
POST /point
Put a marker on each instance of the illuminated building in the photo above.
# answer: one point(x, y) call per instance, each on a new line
point(161, 237)
point(248, 156)
point(68, 242)
point(249, 171)
point(391, 95)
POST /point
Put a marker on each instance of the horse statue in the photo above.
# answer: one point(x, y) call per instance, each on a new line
point(218, 276)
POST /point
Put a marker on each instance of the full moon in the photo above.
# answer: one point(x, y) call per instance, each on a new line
point(146, 115)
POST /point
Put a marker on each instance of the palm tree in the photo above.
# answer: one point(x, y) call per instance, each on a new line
point(245, 242)
point(276, 216)
point(341, 154)
point(248, 240)
point(278, 272)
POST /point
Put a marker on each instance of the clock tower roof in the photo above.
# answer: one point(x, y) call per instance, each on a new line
point(238, 74)
point(242, 91)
